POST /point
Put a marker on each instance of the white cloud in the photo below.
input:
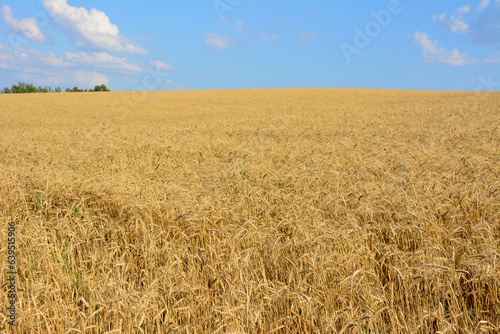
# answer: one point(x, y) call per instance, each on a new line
point(170, 85)
point(90, 28)
point(304, 36)
point(27, 27)
point(495, 59)
point(42, 78)
point(455, 23)
point(23, 59)
point(6, 57)
point(102, 60)
point(84, 78)
point(480, 22)
point(432, 53)
point(161, 65)
point(483, 4)
point(46, 68)
point(465, 9)
point(217, 42)
point(267, 37)
point(48, 58)
point(441, 17)
point(239, 26)
point(130, 48)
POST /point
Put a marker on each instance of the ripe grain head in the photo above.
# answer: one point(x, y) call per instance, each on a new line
point(308, 210)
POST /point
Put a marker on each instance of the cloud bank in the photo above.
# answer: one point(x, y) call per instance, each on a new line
point(91, 29)
point(27, 27)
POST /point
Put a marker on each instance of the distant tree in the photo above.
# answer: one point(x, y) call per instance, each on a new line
point(101, 88)
point(74, 89)
point(22, 87)
point(16, 89)
point(45, 89)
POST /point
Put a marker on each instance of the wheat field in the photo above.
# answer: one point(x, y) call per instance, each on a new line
point(252, 211)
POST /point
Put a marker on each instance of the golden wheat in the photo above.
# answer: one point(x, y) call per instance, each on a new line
point(252, 211)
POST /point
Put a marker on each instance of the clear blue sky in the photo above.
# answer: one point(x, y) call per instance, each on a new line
point(225, 44)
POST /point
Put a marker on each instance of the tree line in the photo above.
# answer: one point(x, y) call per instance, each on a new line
point(22, 87)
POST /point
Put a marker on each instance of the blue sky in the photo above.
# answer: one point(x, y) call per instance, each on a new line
point(227, 44)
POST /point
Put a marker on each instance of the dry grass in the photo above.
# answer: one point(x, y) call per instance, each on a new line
point(253, 211)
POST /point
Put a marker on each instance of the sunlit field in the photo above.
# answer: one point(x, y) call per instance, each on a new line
point(252, 211)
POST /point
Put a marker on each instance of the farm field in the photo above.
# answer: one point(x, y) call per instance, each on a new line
point(252, 211)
